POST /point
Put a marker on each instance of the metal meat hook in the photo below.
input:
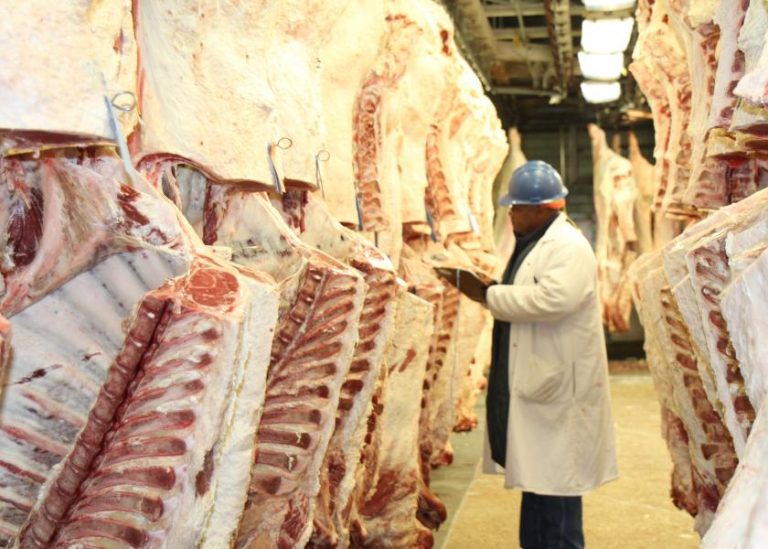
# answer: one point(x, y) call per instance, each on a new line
point(122, 106)
point(275, 178)
point(322, 156)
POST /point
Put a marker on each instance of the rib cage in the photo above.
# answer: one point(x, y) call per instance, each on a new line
point(43, 406)
point(162, 451)
point(310, 357)
point(709, 440)
point(140, 341)
point(330, 523)
point(711, 274)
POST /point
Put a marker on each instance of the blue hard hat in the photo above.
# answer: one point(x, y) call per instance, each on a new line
point(535, 182)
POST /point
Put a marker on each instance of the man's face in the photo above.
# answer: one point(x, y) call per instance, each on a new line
point(525, 218)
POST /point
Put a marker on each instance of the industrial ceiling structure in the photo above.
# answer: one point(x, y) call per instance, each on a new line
point(525, 52)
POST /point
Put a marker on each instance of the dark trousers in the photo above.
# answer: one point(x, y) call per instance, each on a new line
point(551, 522)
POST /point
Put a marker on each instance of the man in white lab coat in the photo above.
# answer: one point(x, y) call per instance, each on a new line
point(549, 413)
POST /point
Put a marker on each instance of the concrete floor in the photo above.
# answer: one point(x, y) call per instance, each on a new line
point(632, 512)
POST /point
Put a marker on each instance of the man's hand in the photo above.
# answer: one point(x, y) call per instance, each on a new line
point(466, 282)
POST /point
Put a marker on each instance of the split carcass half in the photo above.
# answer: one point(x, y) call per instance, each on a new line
point(164, 456)
point(389, 513)
point(315, 226)
point(311, 356)
point(710, 459)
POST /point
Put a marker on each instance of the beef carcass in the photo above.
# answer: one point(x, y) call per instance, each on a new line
point(463, 388)
point(202, 91)
point(63, 103)
point(316, 227)
point(740, 520)
point(481, 363)
point(375, 171)
point(647, 78)
point(705, 178)
point(446, 154)
point(648, 280)
point(456, 381)
point(709, 185)
point(709, 445)
point(614, 195)
point(311, 357)
point(485, 160)
point(709, 269)
point(662, 71)
point(390, 510)
point(676, 268)
point(292, 64)
point(671, 60)
point(164, 456)
point(413, 107)
point(441, 367)
point(459, 151)
point(424, 283)
point(342, 71)
point(476, 165)
point(64, 344)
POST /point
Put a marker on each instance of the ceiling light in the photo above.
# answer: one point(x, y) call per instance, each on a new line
point(608, 5)
point(601, 66)
point(600, 92)
point(606, 35)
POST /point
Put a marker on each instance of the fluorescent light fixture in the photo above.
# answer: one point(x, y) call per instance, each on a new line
point(600, 92)
point(608, 5)
point(601, 66)
point(606, 35)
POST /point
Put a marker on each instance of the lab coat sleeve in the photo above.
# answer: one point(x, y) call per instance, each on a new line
point(566, 279)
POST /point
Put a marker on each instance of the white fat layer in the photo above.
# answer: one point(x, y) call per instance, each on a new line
point(97, 57)
point(235, 448)
point(402, 409)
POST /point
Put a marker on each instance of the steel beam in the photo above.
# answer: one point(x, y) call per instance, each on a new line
point(519, 90)
point(537, 8)
point(531, 32)
point(537, 53)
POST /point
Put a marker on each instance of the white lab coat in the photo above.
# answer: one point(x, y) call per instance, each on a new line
point(560, 437)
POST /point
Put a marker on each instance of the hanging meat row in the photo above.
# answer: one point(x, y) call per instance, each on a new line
point(219, 320)
point(701, 297)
